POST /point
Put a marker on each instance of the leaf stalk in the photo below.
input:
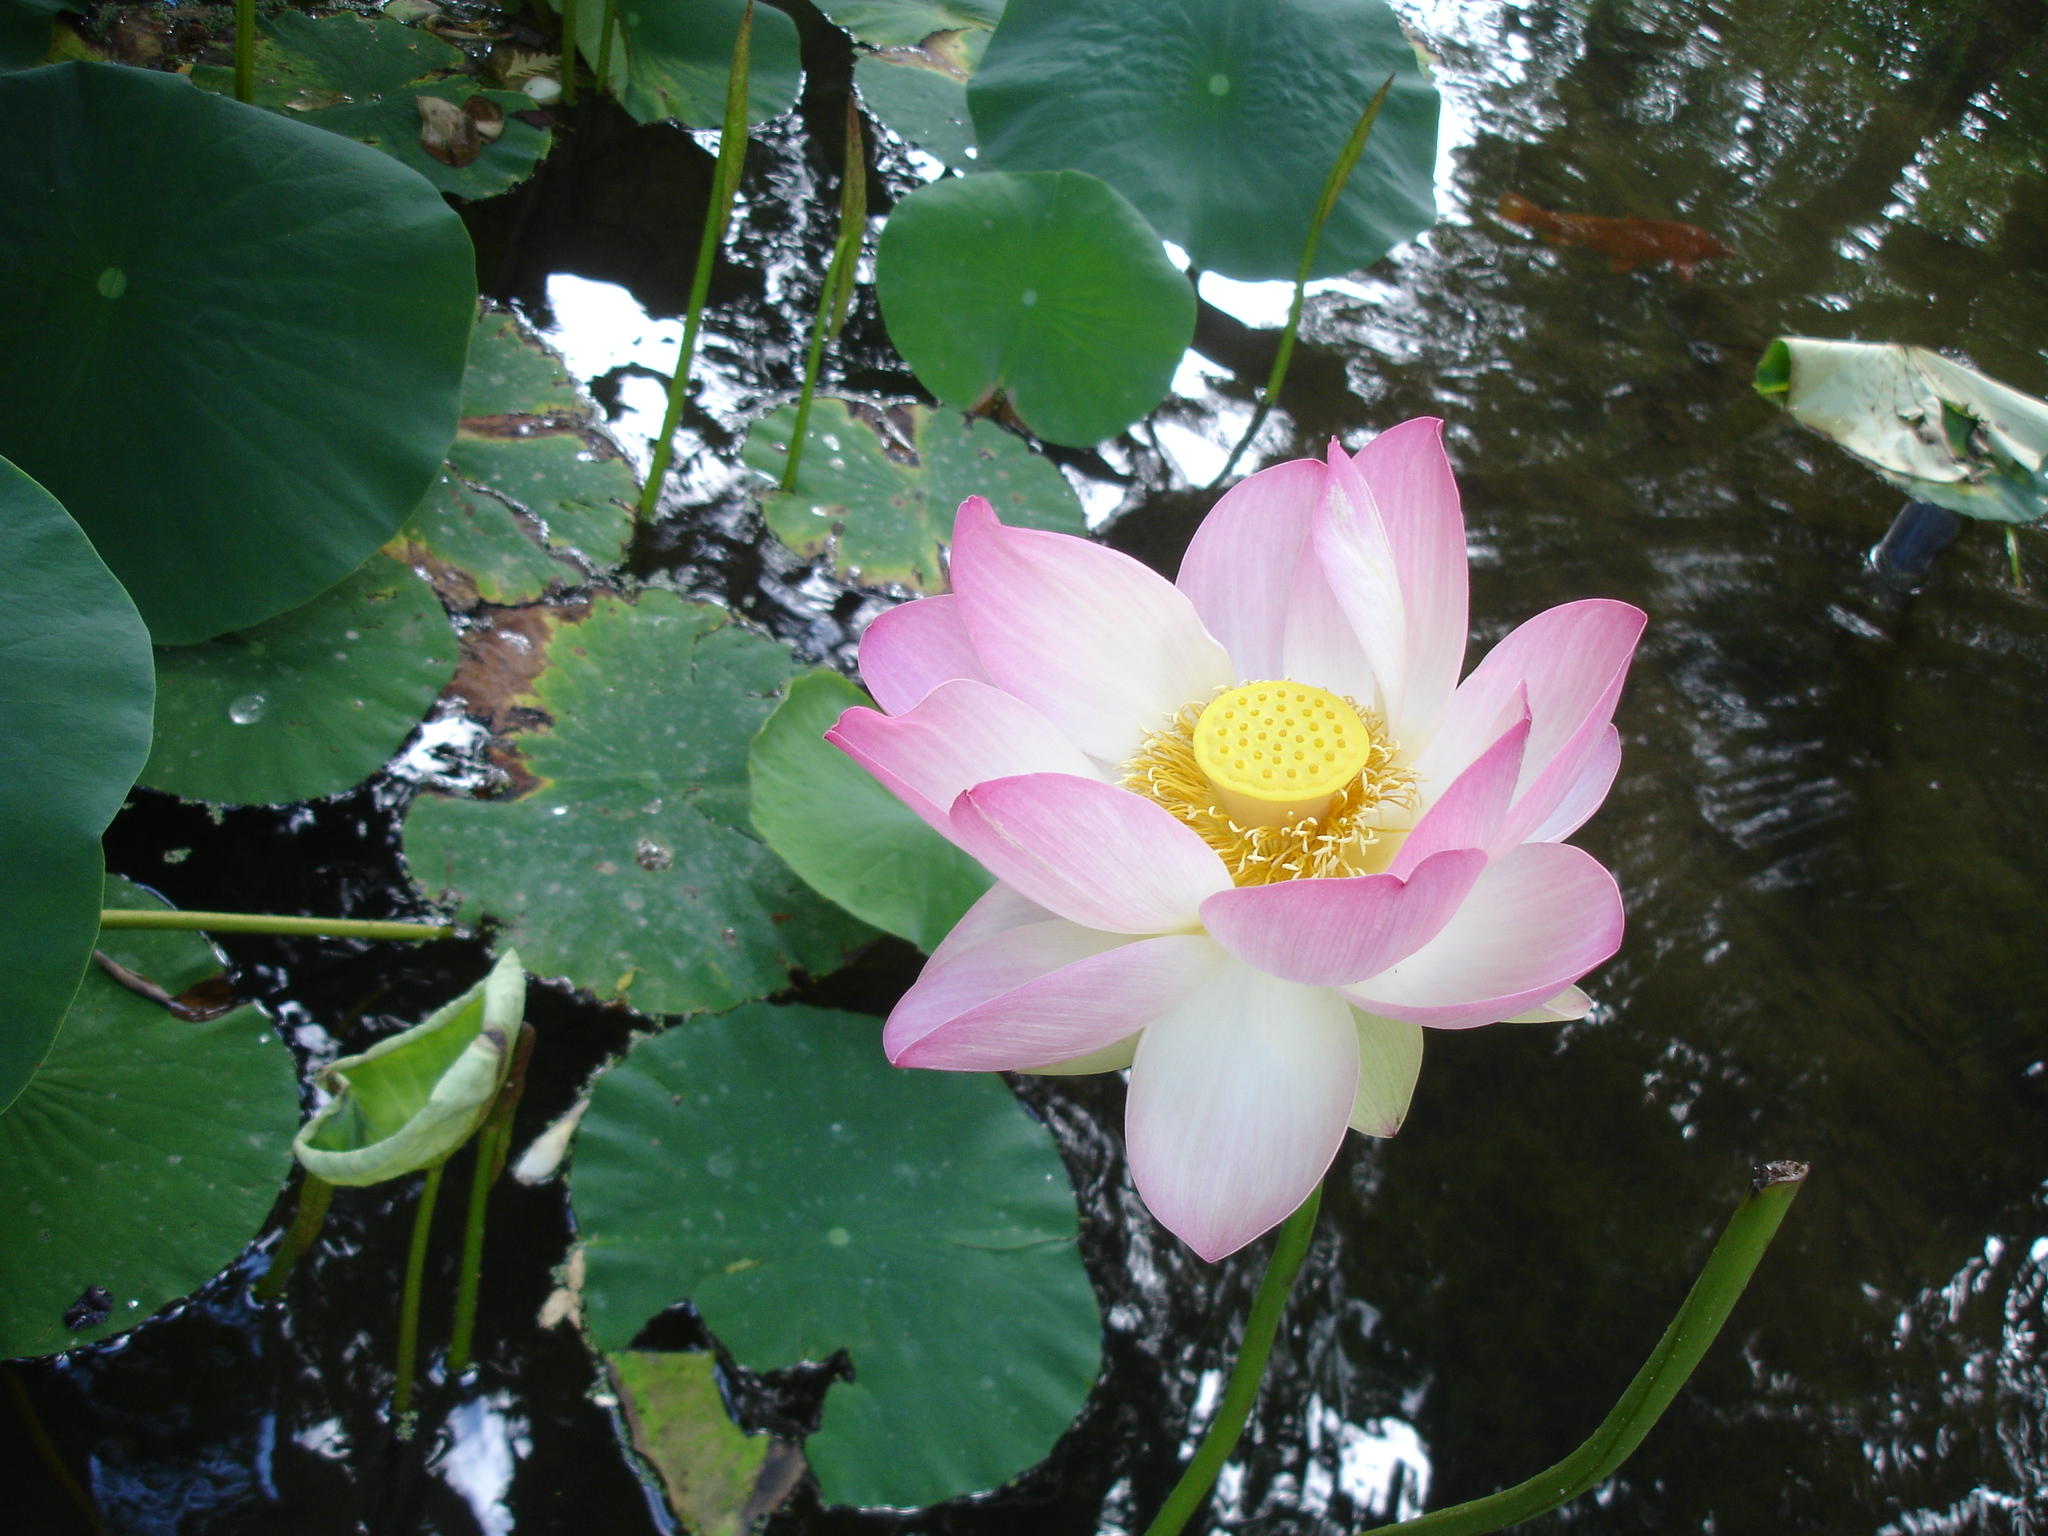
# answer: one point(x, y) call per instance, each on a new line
point(264, 922)
point(839, 277)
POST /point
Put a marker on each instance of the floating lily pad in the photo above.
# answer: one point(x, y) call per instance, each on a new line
point(1048, 287)
point(904, 23)
point(1937, 430)
point(847, 836)
point(1220, 120)
point(884, 515)
point(308, 704)
point(617, 858)
point(529, 468)
point(772, 1168)
point(363, 76)
point(145, 1152)
point(74, 728)
point(25, 31)
point(234, 342)
point(919, 102)
point(718, 1479)
point(678, 55)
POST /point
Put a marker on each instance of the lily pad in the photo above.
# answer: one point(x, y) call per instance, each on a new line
point(535, 494)
point(1937, 430)
point(363, 77)
point(884, 514)
point(920, 102)
point(74, 728)
point(234, 342)
point(772, 1168)
point(904, 23)
point(718, 1479)
point(847, 836)
point(144, 1154)
point(409, 1101)
point(678, 55)
point(308, 704)
point(617, 856)
point(1047, 287)
point(25, 31)
point(1220, 120)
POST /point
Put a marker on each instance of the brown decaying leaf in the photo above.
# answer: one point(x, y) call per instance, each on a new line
point(198, 1003)
point(456, 135)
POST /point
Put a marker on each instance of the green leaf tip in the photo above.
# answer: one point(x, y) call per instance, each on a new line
point(1774, 372)
point(408, 1102)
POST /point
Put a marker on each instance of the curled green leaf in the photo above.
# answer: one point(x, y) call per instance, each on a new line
point(409, 1101)
point(1937, 430)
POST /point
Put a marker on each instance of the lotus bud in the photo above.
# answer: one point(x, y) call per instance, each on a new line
point(409, 1101)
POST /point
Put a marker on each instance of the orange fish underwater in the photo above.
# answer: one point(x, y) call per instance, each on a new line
point(1624, 242)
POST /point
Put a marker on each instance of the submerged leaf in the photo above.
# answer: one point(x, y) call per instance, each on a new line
point(719, 1480)
point(409, 1101)
point(1935, 429)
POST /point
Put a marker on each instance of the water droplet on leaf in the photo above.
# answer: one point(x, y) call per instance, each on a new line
point(248, 709)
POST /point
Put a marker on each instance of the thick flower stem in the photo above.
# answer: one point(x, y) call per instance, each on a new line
point(569, 53)
point(1706, 1307)
point(264, 922)
point(409, 1305)
point(732, 149)
point(1288, 1251)
point(491, 1143)
point(245, 50)
point(853, 223)
point(1332, 189)
point(315, 1193)
point(604, 48)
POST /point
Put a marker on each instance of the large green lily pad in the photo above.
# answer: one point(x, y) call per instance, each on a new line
point(772, 1168)
point(1220, 120)
point(234, 342)
point(883, 514)
point(1048, 287)
point(847, 836)
point(144, 1153)
point(618, 856)
point(25, 31)
point(1937, 430)
point(362, 77)
point(677, 55)
point(74, 728)
point(308, 704)
point(921, 102)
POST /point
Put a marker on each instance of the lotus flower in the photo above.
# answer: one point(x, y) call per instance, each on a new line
point(1252, 835)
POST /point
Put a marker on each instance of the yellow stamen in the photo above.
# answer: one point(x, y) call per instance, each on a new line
point(1314, 825)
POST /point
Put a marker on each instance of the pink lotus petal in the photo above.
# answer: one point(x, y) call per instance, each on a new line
point(914, 647)
point(1584, 797)
point(1568, 1005)
point(1111, 1058)
point(1389, 1065)
point(1096, 855)
point(1327, 932)
point(956, 736)
point(1239, 570)
point(999, 910)
point(1239, 1098)
point(1572, 659)
point(1417, 497)
point(1104, 648)
point(1469, 813)
point(1322, 647)
point(1357, 559)
point(1538, 919)
point(1084, 1006)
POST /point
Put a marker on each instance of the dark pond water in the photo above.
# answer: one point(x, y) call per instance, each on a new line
point(1831, 826)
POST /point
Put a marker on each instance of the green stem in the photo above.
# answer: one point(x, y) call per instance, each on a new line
point(409, 1304)
point(2012, 551)
point(263, 922)
point(1333, 188)
point(604, 47)
point(1713, 1295)
point(315, 1194)
point(245, 50)
point(568, 53)
point(491, 1142)
point(732, 148)
point(1289, 1250)
point(853, 223)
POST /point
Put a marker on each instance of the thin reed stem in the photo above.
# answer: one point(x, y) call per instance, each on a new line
point(838, 291)
point(409, 1305)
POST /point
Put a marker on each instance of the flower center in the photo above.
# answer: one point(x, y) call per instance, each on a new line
point(1283, 780)
point(1276, 752)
